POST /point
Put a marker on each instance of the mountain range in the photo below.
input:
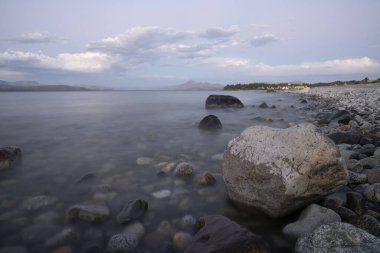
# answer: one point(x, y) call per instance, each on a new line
point(193, 85)
point(36, 86)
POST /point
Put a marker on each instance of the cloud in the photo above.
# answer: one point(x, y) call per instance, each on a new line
point(227, 62)
point(87, 62)
point(259, 26)
point(219, 33)
point(37, 37)
point(364, 65)
point(259, 41)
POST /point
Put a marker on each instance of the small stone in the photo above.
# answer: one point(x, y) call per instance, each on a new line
point(354, 165)
point(88, 211)
point(368, 223)
point(263, 105)
point(372, 192)
point(303, 101)
point(184, 169)
point(9, 156)
point(181, 240)
point(135, 228)
point(144, 161)
point(188, 221)
point(132, 210)
point(161, 194)
point(66, 236)
point(210, 122)
point(355, 202)
point(373, 176)
point(369, 163)
point(310, 218)
point(207, 179)
point(356, 178)
point(122, 243)
point(38, 202)
point(165, 229)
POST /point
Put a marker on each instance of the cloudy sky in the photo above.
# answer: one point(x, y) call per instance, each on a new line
point(147, 44)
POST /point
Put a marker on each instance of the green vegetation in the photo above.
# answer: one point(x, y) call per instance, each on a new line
point(293, 86)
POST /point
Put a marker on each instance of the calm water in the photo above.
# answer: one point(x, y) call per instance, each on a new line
point(64, 135)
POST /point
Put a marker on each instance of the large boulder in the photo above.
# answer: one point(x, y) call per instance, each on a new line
point(223, 101)
point(281, 170)
point(338, 237)
point(9, 156)
point(220, 235)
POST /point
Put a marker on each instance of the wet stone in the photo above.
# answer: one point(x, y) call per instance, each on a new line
point(135, 228)
point(144, 161)
point(207, 179)
point(165, 229)
point(367, 223)
point(210, 122)
point(356, 178)
point(354, 165)
point(369, 163)
point(181, 240)
point(355, 202)
point(122, 243)
point(373, 176)
point(66, 236)
point(161, 194)
point(38, 202)
point(184, 169)
point(85, 178)
point(88, 211)
point(263, 105)
point(134, 209)
point(344, 213)
point(188, 221)
point(9, 156)
point(372, 192)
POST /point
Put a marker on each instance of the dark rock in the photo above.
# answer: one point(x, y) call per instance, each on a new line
point(369, 163)
point(349, 138)
point(344, 212)
point(372, 192)
point(91, 211)
point(338, 237)
point(342, 117)
point(207, 179)
point(135, 209)
point(373, 176)
point(355, 202)
point(223, 101)
point(303, 101)
point(336, 199)
point(368, 149)
point(354, 165)
point(356, 178)
point(9, 156)
point(210, 122)
point(368, 223)
point(218, 234)
point(263, 105)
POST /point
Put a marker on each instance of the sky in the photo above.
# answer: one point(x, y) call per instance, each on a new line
point(146, 44)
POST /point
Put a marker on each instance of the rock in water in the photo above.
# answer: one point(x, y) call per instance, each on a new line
point(210, 122)
point(88, 211)
point(122, 243)
point(184, 169)
point(133, 210)
point(9, 156)
point(220, 235)
point(281, 170)
point(223, 101)
point(338, 237)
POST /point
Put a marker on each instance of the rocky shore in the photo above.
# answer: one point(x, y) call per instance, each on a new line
point(318, 181)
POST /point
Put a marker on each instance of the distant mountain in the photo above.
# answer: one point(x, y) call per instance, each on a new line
point(36, 86)
point(192, 85)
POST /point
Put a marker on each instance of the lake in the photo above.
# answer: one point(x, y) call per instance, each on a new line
point(76, 143)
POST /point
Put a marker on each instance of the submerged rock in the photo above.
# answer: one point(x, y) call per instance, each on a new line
point(181, 240)
point(184, 169)
point(223, 101)
point(281, 170)
point(263, 105)
point(122, 243)
point(9, 156)
point(88, 211)
point(135, 228)
point(220, 235)
point(133, 210)
point(38, 202)
point(310, 218)
point(210, 122)
point(207, 179)
point(338, 237)
point(161, 194)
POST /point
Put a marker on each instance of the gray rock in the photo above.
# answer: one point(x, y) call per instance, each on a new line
point(369, 163)
point(344, 213)
point(220, 235)
point(372, 192)
point(373, 176)
point(355, 202)
point(132, 210)
point(263, 105)
point(122, 243)
point(181, 240)
point(210, 122)
point(281, 170)
point(91, 211)
point(367, 223)
point(222, 101)
point(376, 154)
point(356, 178)
point(354, 165)
point(64, 237)
point(207, 179)
point(38, 202)
point(184, 169)
point(188, 221)
point(9, 156)
point(310, 218)
point(135, 228)
point(338, 237)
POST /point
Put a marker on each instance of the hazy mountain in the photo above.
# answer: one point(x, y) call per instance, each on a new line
point(36, 86)
point(192, 85)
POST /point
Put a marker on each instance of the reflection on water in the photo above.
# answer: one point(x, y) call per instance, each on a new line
point(65, 135)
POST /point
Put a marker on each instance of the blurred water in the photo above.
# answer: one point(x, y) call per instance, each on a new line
point(64, 135)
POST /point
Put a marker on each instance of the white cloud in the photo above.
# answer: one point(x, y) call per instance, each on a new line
point(219, 33)
point(227, 62)
point(80, 62)
point(262, 40)
point(37, 37)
